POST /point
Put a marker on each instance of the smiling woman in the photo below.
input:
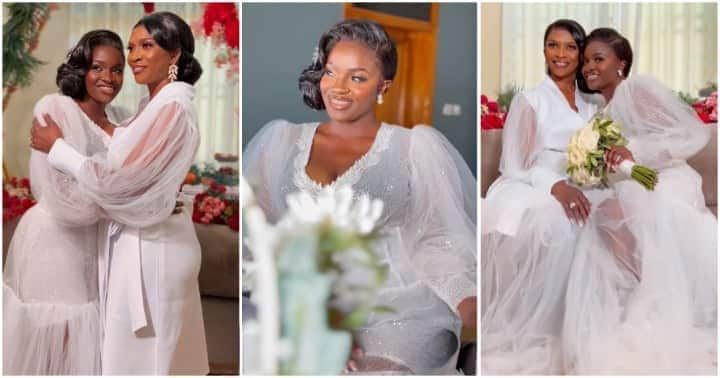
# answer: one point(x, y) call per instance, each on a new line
point(152, 315)
point(51, 323)
point(427, 228)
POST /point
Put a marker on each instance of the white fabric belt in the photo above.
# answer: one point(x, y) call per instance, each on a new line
point(136, 296)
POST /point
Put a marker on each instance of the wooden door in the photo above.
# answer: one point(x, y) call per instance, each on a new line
point(409, 101)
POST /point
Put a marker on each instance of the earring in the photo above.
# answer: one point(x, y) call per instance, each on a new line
point(619, 72)
point(172, 72)
point(379, 99)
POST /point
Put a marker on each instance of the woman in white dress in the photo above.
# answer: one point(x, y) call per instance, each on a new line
point(148, 272)
point(51, 320)
point(428, 222)
point(616, 280)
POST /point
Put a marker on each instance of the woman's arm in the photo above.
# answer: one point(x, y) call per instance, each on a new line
point(137, 182)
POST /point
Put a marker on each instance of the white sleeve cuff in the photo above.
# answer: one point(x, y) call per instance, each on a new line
point(63, 157)
point(544, 179)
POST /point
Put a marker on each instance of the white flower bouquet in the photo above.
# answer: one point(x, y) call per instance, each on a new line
point(585, 155)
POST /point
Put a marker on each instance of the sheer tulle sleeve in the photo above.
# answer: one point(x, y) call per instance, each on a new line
point(520, 150)
point(138, 181)
point(662, 129)
point(264, 158)
point(55, 190)
point(441, 226)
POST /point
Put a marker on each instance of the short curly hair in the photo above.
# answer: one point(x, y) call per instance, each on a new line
point(367, 32)
point(71, 74)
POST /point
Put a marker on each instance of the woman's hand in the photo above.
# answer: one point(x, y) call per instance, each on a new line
point(43, 138)
point(356, 354)
point(576, 205)
point(178, 207)
point(467, 308)
point(616, 155)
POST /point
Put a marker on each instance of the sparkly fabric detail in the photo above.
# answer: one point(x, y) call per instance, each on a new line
point(349, 177)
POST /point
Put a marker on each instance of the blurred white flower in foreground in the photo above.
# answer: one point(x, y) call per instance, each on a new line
point(334, 206)
point(316, 261)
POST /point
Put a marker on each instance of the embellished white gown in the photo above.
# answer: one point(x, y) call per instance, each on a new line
point(428, 240)
point(51, 320)
point(634, 290)
point(150, 259)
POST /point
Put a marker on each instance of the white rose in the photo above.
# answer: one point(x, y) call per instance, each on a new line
point(588, 138)
point(580, 176)
point(576, 157)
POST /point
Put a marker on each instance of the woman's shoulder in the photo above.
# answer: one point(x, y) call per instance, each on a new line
point(283, 126)
point(426, 138)
point(54, 102)
point(643, 83)
point(117, 114)
point(282, 132)
point(177, 93)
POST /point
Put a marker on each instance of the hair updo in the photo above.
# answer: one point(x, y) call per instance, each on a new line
point(70, 76)
point(619, 44)
point(368, 33)
point(171, 33)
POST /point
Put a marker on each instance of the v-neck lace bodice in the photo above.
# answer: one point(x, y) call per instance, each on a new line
point(351, 175)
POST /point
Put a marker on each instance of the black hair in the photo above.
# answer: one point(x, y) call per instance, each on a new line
point(70, 76)
point(619, 44)
point(367, 32)
point(171, 32)
point(578, 34)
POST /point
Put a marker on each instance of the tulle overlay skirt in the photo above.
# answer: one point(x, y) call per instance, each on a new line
point(633, 291)
point(51, 321)
point(50, 339)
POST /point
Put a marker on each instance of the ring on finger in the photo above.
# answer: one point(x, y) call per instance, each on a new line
point(572, 205)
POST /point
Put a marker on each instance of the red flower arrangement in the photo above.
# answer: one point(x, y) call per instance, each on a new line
point(706, 108)
point(220, 23)
point(17, 198)
point(148, 7)
point(213, 206)
point(491, 117)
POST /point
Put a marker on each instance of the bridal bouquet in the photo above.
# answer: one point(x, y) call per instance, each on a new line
point(586, 165)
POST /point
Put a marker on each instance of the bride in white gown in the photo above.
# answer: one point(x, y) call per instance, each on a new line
point(150, 261)
point(428, 237)
point(51, 319)
point(598, 281)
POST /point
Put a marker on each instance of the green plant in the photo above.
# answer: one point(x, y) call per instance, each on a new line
point(687, 98)
point(505, 97)
point(20, 35)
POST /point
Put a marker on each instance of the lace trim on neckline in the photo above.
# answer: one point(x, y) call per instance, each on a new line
point(352, 175)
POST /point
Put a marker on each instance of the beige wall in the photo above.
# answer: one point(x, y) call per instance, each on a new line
point(17, 117)
point(491, 38)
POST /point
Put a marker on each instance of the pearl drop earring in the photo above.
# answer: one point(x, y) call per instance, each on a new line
point(379, 98)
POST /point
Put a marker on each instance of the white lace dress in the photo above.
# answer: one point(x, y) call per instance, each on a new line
point(428, 227)
point(634, 291)
point(51, 322)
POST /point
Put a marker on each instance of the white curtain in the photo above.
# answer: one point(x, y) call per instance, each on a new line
point(216, 97)
point(673, 42)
